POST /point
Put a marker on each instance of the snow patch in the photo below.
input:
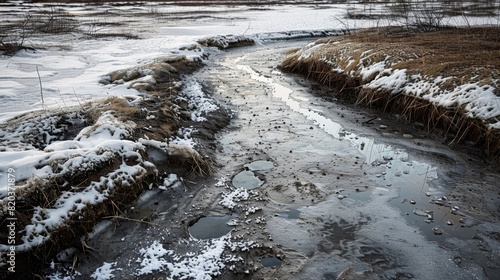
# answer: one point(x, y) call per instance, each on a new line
point(231, 199)
point(203, 265)
point(105, 272)
point(199, 104)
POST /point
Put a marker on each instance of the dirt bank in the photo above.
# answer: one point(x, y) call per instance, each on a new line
point(446, 81)
point(99, 158)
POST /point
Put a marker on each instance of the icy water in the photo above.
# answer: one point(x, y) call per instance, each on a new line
point(246, 180)
point(271, 261)
point(210, 227)
point(259, 165)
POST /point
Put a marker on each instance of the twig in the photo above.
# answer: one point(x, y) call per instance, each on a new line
point(369, 121)
point(62, 99)
point(425, 179)
point(85, 247)
point(40, 81)
point(250, 23)
point(77, 99)
point(130, 219)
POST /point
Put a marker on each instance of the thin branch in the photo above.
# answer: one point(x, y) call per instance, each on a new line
point(40, 81)
point(129, 219)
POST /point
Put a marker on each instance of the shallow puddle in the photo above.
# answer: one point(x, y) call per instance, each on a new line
point(315, 169)
point(210, 227)
point(259, 165)
point(293, 214)
point(246, 180)
point(271, 261)
point(354, 197)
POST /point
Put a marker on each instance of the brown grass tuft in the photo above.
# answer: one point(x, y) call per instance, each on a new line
point(120, 105)
point(464, 55)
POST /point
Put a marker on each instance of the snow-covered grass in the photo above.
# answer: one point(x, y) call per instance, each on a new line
point(102, 145)
point(39, 132)
point(199, 104)
point(455, 89)
point(69, 177)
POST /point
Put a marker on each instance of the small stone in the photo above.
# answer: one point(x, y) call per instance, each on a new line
point(413, 201)
point(437, 231)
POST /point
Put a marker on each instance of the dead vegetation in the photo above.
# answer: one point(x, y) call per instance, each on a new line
point(227, 42)
point(466, 55)
point(101, 170)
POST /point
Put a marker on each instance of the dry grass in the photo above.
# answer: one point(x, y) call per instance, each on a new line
point(44, 192)
point(121, 106)
point(467, 55)
point(451, 52)
point(170, 114)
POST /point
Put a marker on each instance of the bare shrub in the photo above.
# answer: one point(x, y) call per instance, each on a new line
point(420, 15)
point(53, 21)
point(13, 37)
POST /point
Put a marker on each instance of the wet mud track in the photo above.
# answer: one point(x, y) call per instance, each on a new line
point(319, 191)
point(381, 200)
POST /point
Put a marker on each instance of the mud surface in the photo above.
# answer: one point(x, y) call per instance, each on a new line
point(341, 193)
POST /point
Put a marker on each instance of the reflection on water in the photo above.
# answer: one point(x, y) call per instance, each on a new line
point(411, 177)
point(259, 165)
point(246, 180)
point(210, 227)
point(270, 261)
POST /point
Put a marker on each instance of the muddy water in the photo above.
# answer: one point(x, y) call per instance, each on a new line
point(374, 200)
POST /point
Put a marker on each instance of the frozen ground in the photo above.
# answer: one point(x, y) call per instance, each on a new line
point(326, 197)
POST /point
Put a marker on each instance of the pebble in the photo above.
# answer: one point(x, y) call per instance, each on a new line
point(437, 231)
